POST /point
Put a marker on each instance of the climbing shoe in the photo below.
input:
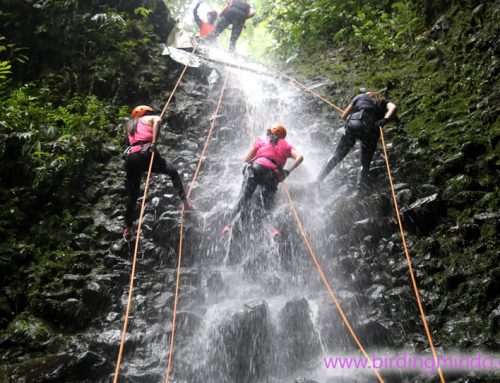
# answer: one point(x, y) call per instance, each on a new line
point(188, 206)
point(275, 232)
point(224, 230)
point(128, 234)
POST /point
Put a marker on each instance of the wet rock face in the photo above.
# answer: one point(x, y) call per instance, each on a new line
point(247, 342)
point(298, 336)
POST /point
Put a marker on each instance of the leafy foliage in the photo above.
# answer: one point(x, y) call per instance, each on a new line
point(372, 26)
point(69, 70)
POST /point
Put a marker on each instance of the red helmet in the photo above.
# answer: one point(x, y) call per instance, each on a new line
point(277, 130)
point(141, 110)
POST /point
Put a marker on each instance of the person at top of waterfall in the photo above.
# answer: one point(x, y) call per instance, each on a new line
point(206, 27)
point(265, 168)
point(235, 13)
point(366, 113)
point(142, 133)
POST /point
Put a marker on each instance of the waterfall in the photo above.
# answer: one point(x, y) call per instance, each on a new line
point(252, 308)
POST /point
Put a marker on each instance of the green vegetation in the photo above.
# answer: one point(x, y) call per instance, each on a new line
point(69, 71)
point(438, 61)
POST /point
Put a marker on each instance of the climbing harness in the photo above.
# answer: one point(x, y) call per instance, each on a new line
point(198, 167)
point(137, 238)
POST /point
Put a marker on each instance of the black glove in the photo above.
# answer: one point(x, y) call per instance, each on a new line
point(152, 147)
point(381, 122)
point(286, 173)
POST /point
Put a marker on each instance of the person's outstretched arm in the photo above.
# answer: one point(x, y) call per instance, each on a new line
point(156, 128)
point(298, 157)
point(195, 14)
point(391, 110)
point(250, 155)
point(347, 112)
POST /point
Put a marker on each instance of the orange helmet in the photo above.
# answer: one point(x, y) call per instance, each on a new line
point(277, 130)
point(141, 110)
point(212, 12)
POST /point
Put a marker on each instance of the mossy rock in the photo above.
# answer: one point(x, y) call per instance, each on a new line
point(27, 331)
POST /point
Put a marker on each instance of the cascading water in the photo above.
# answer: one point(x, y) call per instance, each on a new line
point(251, 308)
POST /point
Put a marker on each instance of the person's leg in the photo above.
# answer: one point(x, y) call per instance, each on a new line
point(134, 169)
point(238, 24)
point(224, 22)
point(368, 147)
point(344, 146)
point(269, 188)
point(162, 166)
point(247, 189)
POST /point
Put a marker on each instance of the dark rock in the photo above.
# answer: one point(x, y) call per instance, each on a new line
point(95, 296)
point(300, 340)
point(455, 164)
point(494, 319)
point(404, 197)
point(27, 331)
point(215, 284)
point(401, 186)
point(422, 214)
point(6, 311)
point(486, 216)
point(187, 322)
point(320, 138)
point(190, 296)
point(374, 334)
point(246, 338)
point(73, 313)
point(73, 280)
point(376, 228)
point(144, 377)
point(472, 150)
point(470, 231)
point(63, 367)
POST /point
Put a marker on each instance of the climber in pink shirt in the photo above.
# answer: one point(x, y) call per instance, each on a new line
point(142, 133)
point(265, 168)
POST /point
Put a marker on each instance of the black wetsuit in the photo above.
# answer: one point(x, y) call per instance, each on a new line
point(255, 175)
point(136, 164)
point(236, 16)
point(360, 125)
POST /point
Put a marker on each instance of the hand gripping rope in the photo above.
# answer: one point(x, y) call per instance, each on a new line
point(137, 238)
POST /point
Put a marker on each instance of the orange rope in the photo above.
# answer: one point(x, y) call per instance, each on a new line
point(325, 281)
point(177, 282)
point(138, 235)
point(412, 275)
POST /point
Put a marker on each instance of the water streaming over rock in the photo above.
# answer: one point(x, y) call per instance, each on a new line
point(252, 308)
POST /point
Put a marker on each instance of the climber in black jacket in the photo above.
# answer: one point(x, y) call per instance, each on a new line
point(366, 113)
point(235, 13)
